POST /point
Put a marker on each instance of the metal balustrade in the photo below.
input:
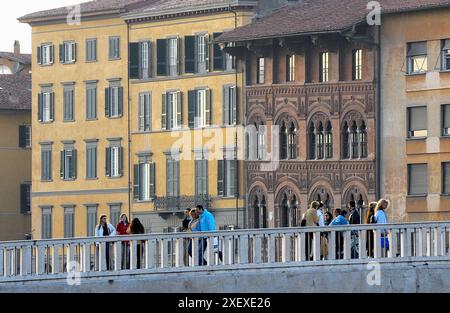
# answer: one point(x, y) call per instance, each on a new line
point(241, 249)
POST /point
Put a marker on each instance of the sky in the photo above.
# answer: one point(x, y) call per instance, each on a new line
point(11, 29)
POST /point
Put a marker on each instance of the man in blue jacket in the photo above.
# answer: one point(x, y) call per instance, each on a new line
point(207, 223)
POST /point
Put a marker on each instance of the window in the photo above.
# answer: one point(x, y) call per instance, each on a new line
point(290, 68)
point(446, 178)
point(113, 101)
point(25, 136)
point(91, 50)
point(219, 57)
point(417, 122)
point(46, 162)
point(114, 48)
point(91, 219)
point(25, 198)
point(144, 179)
point(144, 111)
point(46, 107)
point(261, 142)
point(357, 64)
point(91, 159)
point(363, 141)
point(292, 142)
point(68, 104)
point(417, 179)
point(320, 140)
point(140, 60)
point(46, 223)
point(167, 57)
point(68, 163)
point(196, 51)
point(114, 160)
point(260, 74)
point(173, 56)
point(329, 141)
point(312, 142)
point(45, 54)
point(67, 52)
point(91, 101)
point(114, 213)
point(445, 113)
point(172, 115)
point(283, 142)
point(417, 57)
point(226, 182)
point(172, 177)
point(345, 141)
point(354, 141)
point(69, 222)
point(324, 67)
point(229, 105)
point(201, 177)
point(199, 107)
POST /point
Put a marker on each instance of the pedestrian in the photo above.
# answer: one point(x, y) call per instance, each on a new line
point(186, 220)
point(123, 229)
point(137, 228)
point(339, 219)
point(320, 214)
point(311, 220)
point(207, 223)
point(381, 218)
point(328, 217)
point(370, 219)
point(354, 219)
point(105, 229)
point(194, 225)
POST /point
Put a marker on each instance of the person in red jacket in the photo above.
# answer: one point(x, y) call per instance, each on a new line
point(123, 229)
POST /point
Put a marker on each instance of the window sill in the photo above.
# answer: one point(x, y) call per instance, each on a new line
point(416, 138)
point(115, 59)
point(445, 195)
point(91, 61)
point(416, 74)
point(417, 196)
point(69, 63)
point(444, 137)
point(25, 148)
point(144, 201)
point(49, 122)
point(115, 177)
point(115, 117)
point(69, 179)
point(46, 65)
point(46, 180)
point(69, 121)
point(91, 119)
point(93, 178)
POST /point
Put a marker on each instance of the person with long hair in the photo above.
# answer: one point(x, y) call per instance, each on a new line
point(194, 225)
point(311, 220)
point(381, 218)
point(105, 229)
point(370, 219)
point(123, 229)
point(136, 228)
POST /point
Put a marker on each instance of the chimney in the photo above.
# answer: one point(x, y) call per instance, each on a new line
point(16, 47)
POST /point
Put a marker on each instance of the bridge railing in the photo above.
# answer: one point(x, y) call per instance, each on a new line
point(155, 253)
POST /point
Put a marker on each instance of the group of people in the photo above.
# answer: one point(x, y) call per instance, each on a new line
point(105, 229)
point(199, 219)
point(317, 216)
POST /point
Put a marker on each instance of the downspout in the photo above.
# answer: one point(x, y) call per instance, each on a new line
point(378, 117)
point(129, 123)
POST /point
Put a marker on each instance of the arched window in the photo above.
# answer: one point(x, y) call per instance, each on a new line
point(283, 142)
point(363, 140)
point(5, 69)
point(292, 144)
point(294, 218)
point(284, 212)
point(345, 142)
point(261, 142)
point(320, 141)
point(328, 141)
point(256, 212)
point(312, 141)
point(354, 141)
point(264, 212)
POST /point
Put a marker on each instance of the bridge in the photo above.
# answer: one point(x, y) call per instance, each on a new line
point(306, 259)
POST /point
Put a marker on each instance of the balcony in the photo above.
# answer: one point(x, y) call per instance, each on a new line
point(180, 203)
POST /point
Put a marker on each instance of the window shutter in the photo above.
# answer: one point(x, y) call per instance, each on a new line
point(73, 167)
point(192, 104)
point(177, 177)
point(233, 176)
point(121, 161)
point(446, 116)
point(179, 65)
point(108, 102)
point(218, 55)
point(52, 106)
point(23, 198)
point(446, 178)
point(207, 53)
point(62, 164)
point(169, 177)
point(22, 135)
point(161, 57)
point(164, 111)
point(150, 60)
point(52, 54)
point(108, 162)
point(147, 113)
point(226, 105)
point(152, 179)
point(235, 101)
point(417, 48)
point(39, 55)
point(62, 53)
point(137, 182)
point(197, 176)
point(141, 112)
point(40, 107)
point(134, 60)
point(120, 103)
point(74, 52)
point(179, 110)
point(418, 179)
point(220, 178)
point(208, 107)
point(189, 54)
point(418, 118)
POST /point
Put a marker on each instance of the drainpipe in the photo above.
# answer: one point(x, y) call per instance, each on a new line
point(378, 117)
point(129, 124)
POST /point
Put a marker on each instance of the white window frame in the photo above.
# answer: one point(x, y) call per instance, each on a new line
point(115, 155)
point(69, 49)
point(45, 48)
point(114, 98)
point(201, 48)
point(173, 52)
point(46, 107)
point(201, 107)
point(173, 103)
point(325, 69)
point(357, 65)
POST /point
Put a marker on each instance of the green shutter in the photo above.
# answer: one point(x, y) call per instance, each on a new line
point(108, 102)
point(73, 167)
point(161, 57)
point(169, 177)
point(164, 111)
point(218, 55)
point(192, 105)
point(120, 161)
point(52, 54)
point(62, 163)
point(22, 136)
point(62, 53)
point(152, 179)
point(234, 107)
point(40, 107)
point(220, 178)
point(179, 110)
point(226, 105)
point(134, 60)
point(52, 106)
point(208, 107)
point(39, 55)
point(108, 162)
point(189, 54)
point(137, 182)
point(120, 103)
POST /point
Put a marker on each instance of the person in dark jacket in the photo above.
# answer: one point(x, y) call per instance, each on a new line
point(123, 229)
point(187, 219)
point(354, 219)
point(137, 228)
point(370, 219)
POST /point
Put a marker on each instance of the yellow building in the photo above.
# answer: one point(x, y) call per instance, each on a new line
point(89, 132)
point(15, 145)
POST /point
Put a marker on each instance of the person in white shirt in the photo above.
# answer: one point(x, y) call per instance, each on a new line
point(105, 229)
point(320, 214)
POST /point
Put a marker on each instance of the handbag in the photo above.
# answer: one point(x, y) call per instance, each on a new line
point(303, 223)
point(385, 243)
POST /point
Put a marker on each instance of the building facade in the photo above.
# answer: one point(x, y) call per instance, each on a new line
point(15, 145)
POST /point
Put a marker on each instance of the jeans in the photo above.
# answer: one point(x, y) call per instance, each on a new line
point(202, 244)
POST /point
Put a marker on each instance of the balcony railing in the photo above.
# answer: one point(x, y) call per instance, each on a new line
point(157, 253)
point(180, 203)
